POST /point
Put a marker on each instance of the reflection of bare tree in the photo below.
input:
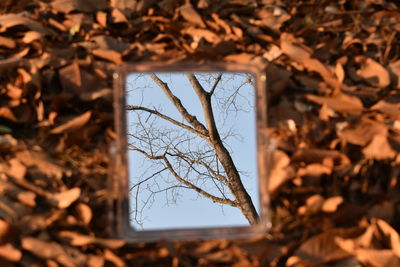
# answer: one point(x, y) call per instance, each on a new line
point(189, 154)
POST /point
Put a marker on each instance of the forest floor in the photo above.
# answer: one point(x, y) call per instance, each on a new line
point(333, 77)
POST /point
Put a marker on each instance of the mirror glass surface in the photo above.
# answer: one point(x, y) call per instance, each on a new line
point(192, 158)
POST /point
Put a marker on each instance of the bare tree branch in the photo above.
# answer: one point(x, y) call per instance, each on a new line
point(165, 117)
point(192, 120)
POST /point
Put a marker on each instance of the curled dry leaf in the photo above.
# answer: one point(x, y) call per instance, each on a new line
point(109, 55)
point(389, 107)
point(110, 256)
point(47, 250)
point(301, 54)
point(379, 148)
point(392, 233)
point(65, 199)
point(190, 14)
point(197, 34)
point(14, 168)
point(110, 43)
point(11, 20)
point(340, 102)
point(315, 155)
point(321, 248)
point(77, 239)
point(331, 204)
point(314, 169)
point(362, 131)
point(4, 229)
point(67, 6)
point(10, 253)
point(7, 42)
point(42, 162)
point(373, 72)
point(31, 36)
point(73, 125)
point(279, 171)
point(85, 212)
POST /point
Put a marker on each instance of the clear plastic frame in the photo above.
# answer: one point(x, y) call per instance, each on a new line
point(192, 136)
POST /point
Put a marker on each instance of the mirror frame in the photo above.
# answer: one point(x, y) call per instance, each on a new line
point(119, 178)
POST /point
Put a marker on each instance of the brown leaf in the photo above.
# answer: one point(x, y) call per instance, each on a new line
point(321, 248)
point(7, 42)
point(331, 204)
point(9, 253)
point(4, 230)
point(117, 16)
point(377, 258)
point(110, 43)
point(32, 36)
point(339, 102)
point(274, 19)
point(301, 54)
point(379, 148)
point(313, 204)
point(14, 168)
point(190, 14)
point(14, 92)
point(73, 125)
point(95, 260)
point(67, 6)
point(11, 20)
point(389, 107)
point(109, 55)
point(373, 72)
point(126, 6)
point(279, 171)
point(110, 256)
point(77, 239)
point(101, 18)
point(339, 71)
point(197, 34)
point(47, 250)
point(362, 132)
point(392, 233)
point(42, 162)
point(85, 212)
point(314, 155)
point(66, 198)
point(314, 169)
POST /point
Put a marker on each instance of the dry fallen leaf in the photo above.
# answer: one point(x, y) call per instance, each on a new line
point(302, 54)
point(41, 162)
point(109, 55)
point(67, 6)
point(73, 125)
point(85, 212)
point(47, 250)
point(280, 172)
point(66, 198)
point(321, 248)
point(362, 131)
point(331, 204)
point(190, 14)
point(339, 102)
point(379, 148)
point(10, 253)
point(373, 72)
point(77, 239)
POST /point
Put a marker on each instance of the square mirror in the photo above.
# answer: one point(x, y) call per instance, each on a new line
point(191, 156)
